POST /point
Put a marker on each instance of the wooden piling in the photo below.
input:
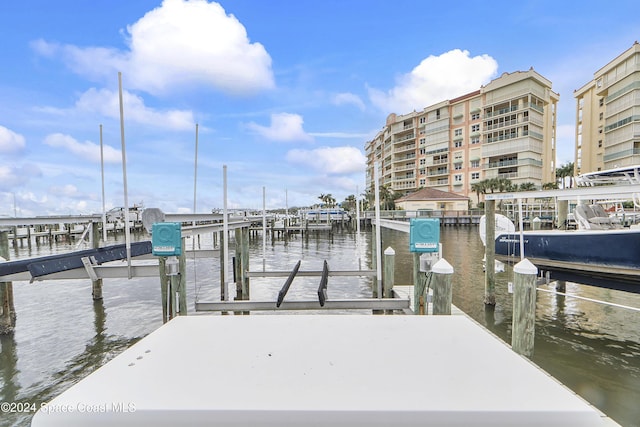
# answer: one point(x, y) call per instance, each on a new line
point(182, 287)
point(164, 282)
point(441, 274)
point(419, 287)
point(563, 208)
point(222, 263)
point(8, 314)
point(96, 285)
point(389, 272)
point(244, 258)
point(238, 264)
point(524, 308)
point(536, 223)
point(374, 263)
point(490, 253)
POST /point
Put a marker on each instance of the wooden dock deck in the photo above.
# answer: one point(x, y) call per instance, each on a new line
point(331, 370)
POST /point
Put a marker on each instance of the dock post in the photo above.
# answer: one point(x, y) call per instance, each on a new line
point(182, 286)
point(162, 265)
point(490, 253)
point(563, 208)
point(8, 314)
point(442, 272)
point(524, 308)
point(96, 285)
point(222, 261)
point(374, 263)
point(237, 273)
point(419, 286)
point(536, 223)
point(244, 262)
point(389, 272)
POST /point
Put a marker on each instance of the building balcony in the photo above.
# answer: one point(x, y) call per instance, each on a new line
point(489, 113)
point(439, 171)
point(404, 168)
point(437, 163)
point(403, 148)
point(404, 158)
point(404, 138)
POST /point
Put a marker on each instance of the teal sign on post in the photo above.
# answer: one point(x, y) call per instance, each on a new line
point(424, 234)
point(166, 239)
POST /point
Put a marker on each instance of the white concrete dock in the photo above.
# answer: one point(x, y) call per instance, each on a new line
point(320, 370)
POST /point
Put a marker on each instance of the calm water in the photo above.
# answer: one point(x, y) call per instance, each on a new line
point(62, 335)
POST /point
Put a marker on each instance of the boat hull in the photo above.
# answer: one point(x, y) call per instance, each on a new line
point(606, 248)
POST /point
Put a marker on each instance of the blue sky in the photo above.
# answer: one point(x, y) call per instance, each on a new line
point(285, 93)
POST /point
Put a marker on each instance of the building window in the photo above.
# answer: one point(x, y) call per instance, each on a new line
point(458, 166)
point(423, 162)
point(457, 144)
point(601, 102)
point(475, 163)
point(423, 181)
point(423, 151)
point(599, 143)
point(475, 175)
point(457, 132)
point(422, 141)
point(475, 140)
point(475, 128)
point(475, 116)
point(457, 178)
point(423, 171)
point(601, 115)
point(423, 120)
point(438, 113)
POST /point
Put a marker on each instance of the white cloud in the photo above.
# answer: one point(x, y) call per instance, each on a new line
point(14, 176)
point(330, 160)
point(10, 142)
point(176, 45)
point(285, 127)
point(106, 102)
point(68, 190)
point(435, 79)
point(360, 136)
point(348, 98)
point(87, 150)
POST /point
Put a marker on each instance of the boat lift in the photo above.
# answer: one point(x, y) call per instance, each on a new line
point(322, 303)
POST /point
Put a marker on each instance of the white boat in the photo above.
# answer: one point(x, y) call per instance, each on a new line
point(600, 246)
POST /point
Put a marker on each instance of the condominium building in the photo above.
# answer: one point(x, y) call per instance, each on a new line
point(505, 129)
point(608, 116)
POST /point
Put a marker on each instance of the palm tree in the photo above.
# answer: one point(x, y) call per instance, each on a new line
point(349, 203)
point(527, 186)
point(479, 187)
point(565, 171)
point(330, 200)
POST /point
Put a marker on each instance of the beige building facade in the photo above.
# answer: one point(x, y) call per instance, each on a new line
point(505, 129)
point(608, 116)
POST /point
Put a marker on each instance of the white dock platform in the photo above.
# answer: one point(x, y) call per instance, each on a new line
point(320, 370)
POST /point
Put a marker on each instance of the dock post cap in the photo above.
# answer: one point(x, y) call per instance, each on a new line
point(442, 267)
point(525, 267)
point(389, 251)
